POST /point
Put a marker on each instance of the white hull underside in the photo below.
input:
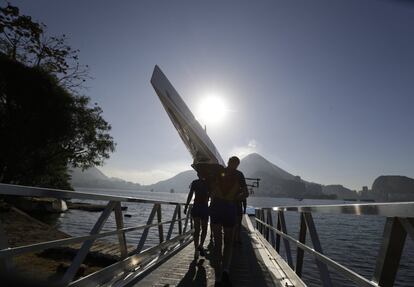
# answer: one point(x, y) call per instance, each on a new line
point(193, 135)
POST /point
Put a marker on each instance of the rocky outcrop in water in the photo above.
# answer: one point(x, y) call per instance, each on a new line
point(393, 188)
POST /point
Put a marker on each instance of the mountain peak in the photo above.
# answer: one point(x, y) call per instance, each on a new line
point(254, 165)
point(254, 155)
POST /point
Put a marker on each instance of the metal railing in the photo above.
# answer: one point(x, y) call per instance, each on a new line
point(139, 261)
point(399, 223)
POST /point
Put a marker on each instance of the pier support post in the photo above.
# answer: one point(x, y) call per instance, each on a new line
point(285, 241)
point(180, 223)
point(323, 269)
point(120, 225)
point(299, 251)
point(160, 227)
point(171, 228)
point(266, 228)
point(272, 232)
point(390, 252)
point(146, 230)
point(408, 224)
point(277, 234)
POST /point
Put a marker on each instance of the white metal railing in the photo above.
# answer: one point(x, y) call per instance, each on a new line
point(399, 223)
point(139, 259)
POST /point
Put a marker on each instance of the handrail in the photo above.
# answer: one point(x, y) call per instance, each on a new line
point(124, 268)
point(181, 239)
point(21, 190)
point(66, 241)
point(346, 271)
point(389, 209)
point(399, 223)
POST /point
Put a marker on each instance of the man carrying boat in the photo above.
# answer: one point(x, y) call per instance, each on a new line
point(199, 212)
point(230, 189)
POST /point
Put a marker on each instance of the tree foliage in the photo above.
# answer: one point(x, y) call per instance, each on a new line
point(44, 128)
point(46, 124)
point(24, 40)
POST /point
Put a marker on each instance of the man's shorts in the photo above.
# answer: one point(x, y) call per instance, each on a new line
point(223, 212)
point(200, 210)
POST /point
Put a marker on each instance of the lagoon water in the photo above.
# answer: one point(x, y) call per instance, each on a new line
point(351, 240)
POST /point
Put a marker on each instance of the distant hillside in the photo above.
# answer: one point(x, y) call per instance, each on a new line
point(274, 181)
point(340, 191)
point(254, 164)
point(393, 188)
point(94, 178)
point(178, 183)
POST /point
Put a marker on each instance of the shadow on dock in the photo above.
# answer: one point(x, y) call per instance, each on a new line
point(183, 270)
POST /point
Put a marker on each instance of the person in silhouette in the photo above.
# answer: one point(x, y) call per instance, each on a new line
point(199, 212)
point(230, 189)
point(241, 209)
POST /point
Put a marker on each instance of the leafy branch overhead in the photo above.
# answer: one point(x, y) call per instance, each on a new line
point(24, 40)
point(46, 125)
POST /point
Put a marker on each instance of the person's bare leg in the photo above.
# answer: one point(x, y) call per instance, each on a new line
point(197, 223)
point(204, 224)
point(228, 247)
point(218, 238)
point(237, 232)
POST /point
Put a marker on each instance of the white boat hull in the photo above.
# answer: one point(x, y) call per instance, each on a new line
point(195, 138)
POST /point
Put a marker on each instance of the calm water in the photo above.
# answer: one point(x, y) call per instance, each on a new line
point(351, 240)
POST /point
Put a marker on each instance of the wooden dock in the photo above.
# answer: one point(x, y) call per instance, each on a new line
point(250, 266)
point(102, 253)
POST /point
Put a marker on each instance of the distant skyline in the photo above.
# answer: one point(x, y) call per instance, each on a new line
point(323, 89)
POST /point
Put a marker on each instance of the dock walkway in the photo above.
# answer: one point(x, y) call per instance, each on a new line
point(257, 262)
point(183, 270)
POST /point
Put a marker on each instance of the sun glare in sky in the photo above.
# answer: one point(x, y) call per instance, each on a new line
point(212, 109)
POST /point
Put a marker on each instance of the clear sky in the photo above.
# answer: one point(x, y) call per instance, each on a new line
point(323, 89)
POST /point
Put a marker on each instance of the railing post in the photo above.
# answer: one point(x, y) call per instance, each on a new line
point(180, 222)
point(272, 232)
point(390, 252)
point(262, 218)
point(277, 234)
point(120, 225)
point(160, 227)
point(173, 220)
point(145, 232)
point(266, 228)
point(323, 270)
point(83, 251)
point(285, 241)
point(299, 251)
point(408, 224)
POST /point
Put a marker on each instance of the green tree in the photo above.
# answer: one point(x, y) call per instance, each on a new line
point(43, 128)
point(45, 123)
point(24, 40)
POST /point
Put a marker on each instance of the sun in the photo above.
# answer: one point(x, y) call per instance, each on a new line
point(212, 110)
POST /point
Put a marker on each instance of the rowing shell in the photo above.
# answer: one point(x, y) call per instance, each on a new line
point(195, 138)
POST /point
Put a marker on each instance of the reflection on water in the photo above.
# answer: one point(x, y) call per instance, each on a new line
point(351, 240)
